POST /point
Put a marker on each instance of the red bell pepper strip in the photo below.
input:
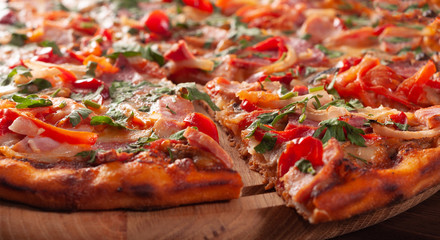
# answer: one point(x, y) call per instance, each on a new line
point(308, 148)
point(60, 134)
point(412, 87)
point(399, 118)
point(248, 106)
point(202, 5)
point(286, 135)
point(103, 65)
point(271, 44)
point(203, 124)
point(88, 83)
point(66, 75)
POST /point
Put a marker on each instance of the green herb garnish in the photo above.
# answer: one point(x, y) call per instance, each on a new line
point(34, 86)
point(53, 45)
point(31, 101)
point(335, 128)
point(267, 143)
point(329, 53)
point(305, 166)
point(195, 94)
point(78, 115)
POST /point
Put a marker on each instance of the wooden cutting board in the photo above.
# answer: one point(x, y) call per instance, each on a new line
point(257, 214)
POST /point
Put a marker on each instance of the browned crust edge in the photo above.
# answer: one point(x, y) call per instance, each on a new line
point(365, 191)
point(115, 185)
point(346, 191)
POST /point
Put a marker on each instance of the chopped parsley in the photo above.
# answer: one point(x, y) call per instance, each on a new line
point(138, 146)
point(395, 40)
point(351, 105)
point(340, 130)
point(31, 101)
point(53, 45)
point(273, 117)
point(305, 166)
point(148, 52)
point(18, 40)
point(120, 90)
point(267, 143)
point(20, 70)
point(91, 69)
point(106, 120)
point(178, 135)
point(34, 86)
point(78, 115)
point(400, 126)
point(89, 96)
point(90, 155)
point(194, 94)
point(329, 53)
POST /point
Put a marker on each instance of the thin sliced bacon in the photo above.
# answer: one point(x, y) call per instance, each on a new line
point(429, 116)
point(180, 54)
point(205, 142)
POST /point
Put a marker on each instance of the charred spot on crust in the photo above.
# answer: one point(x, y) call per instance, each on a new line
point(390, 187)
point(433, 166)
point(7, 184)
point(59, 164)
point(396, 199)
point(144, 190)
point(184, 186)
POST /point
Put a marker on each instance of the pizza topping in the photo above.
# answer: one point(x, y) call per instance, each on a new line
point(24, 126)
point(340, 130)
point(429, 116)
point(389, 132)
point(78, 115)
point(399, 120)
point(308, 148)
point(194, 94)
point(200, 140)
point(31, 101)
point(158, 22)
point(202, 5)
point(203, 124)
point(267, 143)
point(305, 166)
point(182, 57)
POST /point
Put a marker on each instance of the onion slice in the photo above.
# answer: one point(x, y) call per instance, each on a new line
point(407, 135)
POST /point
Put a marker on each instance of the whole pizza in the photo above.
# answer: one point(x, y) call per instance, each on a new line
point(335, 103)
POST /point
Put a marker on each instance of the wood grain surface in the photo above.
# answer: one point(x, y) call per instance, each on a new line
point(257, 214)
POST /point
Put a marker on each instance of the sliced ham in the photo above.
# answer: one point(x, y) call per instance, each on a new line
point(170, 111)
point(200, 140)
point(181, 56)
point(320, 27)
point(57, 33)
point(24, 126)
point(306, 53)
point(332, 151)
point(429, 116)
point(361, 37)
point(127, 72)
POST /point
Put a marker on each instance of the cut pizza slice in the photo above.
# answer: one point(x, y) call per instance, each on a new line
point(114, 140)
point(329, 157)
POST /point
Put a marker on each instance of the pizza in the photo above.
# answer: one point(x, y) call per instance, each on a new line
point(335, 103)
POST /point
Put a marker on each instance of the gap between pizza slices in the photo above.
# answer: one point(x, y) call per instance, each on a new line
point(335, 103)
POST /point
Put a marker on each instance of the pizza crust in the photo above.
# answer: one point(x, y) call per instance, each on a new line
point(115, 185)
